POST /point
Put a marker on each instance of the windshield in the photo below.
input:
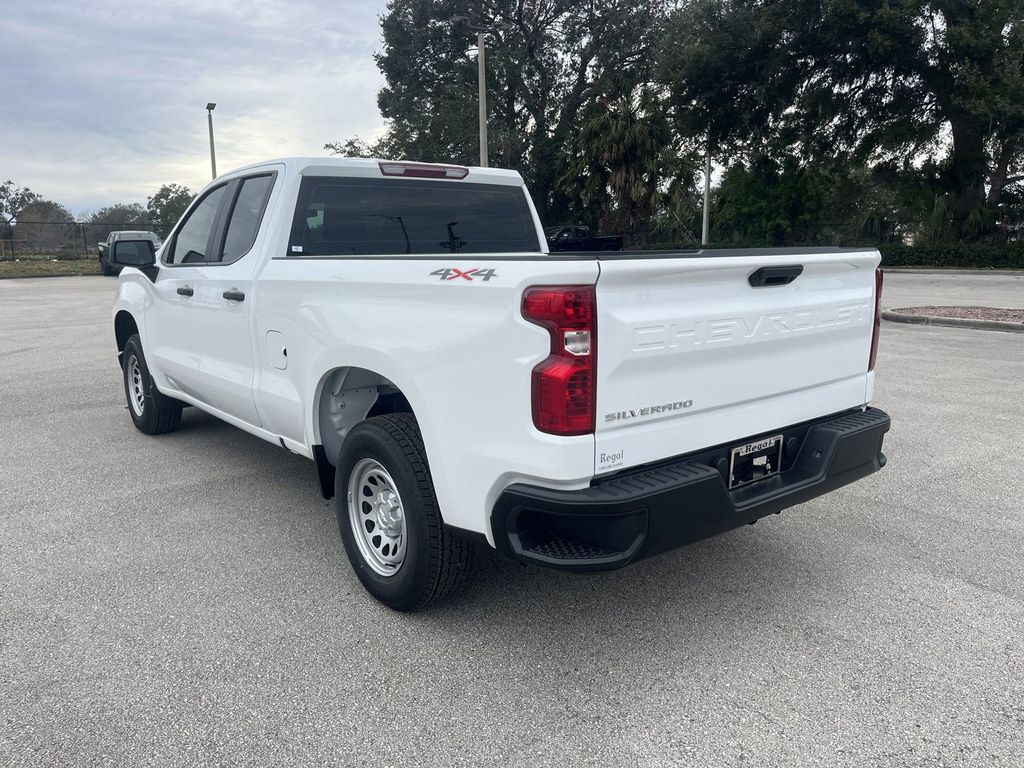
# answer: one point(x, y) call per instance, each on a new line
point(354, 216)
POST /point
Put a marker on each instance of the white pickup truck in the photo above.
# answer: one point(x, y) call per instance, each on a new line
point(402, 325)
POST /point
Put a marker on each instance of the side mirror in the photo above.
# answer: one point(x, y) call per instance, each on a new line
point(133, 253)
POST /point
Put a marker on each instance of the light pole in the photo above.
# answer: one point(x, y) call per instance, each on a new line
point(481, 86)
point(213, 154)
point(705, 231)
point(481, 76)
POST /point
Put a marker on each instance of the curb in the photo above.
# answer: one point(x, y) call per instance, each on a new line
point(953, 322)
point(951, 271)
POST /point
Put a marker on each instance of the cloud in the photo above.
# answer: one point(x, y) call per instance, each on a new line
point(105, 101)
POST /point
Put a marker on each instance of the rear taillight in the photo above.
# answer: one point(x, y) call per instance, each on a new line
point(878, 319)
point(563, 384)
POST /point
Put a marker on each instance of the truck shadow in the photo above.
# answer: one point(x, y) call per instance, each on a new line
point(730, 583)
point(720, 598)
point(755, 562)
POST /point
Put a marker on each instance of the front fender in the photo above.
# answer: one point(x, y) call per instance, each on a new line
point(132, 297)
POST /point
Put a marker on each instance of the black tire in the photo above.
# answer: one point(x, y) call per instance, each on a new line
point(156, 413)
point(105, 268)
point(435, 562)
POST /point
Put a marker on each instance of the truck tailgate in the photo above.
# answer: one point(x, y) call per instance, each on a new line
point(692, 355)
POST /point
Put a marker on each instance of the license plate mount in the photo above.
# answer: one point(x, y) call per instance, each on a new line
point(755, 461)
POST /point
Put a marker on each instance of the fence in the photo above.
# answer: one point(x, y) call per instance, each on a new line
point(65, 239)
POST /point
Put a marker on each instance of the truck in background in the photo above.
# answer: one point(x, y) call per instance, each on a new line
point(104, 248)
point(573, 237)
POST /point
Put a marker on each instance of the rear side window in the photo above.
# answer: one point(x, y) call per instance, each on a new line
point(366, 217)
point(246, 216)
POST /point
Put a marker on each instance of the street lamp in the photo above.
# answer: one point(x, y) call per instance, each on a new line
point(213, 154)
point(705, 232)
point(481, 30)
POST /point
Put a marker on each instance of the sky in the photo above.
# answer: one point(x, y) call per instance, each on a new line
point(104, 102)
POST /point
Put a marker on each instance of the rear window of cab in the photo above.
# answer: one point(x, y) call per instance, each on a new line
point(338, 216)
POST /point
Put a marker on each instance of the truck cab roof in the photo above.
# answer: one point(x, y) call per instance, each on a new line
point(372, 168)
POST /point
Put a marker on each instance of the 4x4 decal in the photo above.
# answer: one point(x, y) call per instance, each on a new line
point(451, 273)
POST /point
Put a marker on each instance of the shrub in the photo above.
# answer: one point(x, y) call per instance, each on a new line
point(974, 255)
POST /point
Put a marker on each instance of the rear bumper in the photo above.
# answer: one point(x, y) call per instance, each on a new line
point(645, 512)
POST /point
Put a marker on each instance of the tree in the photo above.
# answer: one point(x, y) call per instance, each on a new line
point(354, 147)
point(120, 214)
point(116, 217)
point(625, 155)
point(12, 200)
point(881, 81)
point(167, 205)
point(45, 226)
point(548, 61)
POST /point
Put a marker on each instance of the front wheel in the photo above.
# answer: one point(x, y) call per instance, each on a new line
point(151, 412)
point(388, 516)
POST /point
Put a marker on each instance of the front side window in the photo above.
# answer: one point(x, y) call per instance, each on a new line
point(246, 216)
point(350, 216)
point(192, 243)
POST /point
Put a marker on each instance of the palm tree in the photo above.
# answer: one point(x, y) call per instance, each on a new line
point(622, 158)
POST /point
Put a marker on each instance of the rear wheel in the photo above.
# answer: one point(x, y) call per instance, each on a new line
point(388, 516)
point(151, 412)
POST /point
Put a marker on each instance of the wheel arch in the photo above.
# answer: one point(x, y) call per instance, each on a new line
point(124, 328)
point(346, 396)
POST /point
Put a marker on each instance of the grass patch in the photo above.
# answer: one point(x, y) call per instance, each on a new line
point(42, 268)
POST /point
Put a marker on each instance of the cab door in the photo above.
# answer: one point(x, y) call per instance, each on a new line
point(224, 300)
point(173, 325)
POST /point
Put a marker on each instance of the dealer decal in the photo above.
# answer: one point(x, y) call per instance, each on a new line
point(610, 459)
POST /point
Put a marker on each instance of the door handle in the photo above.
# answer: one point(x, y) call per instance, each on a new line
point(185, 291)
point(767, 276)
point(234, 295)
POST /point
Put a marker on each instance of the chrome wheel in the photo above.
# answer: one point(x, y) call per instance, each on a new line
point(377, 517)
point(136, 391)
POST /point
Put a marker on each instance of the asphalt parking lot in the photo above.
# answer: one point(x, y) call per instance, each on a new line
point(922, 288)
point(185, 600)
